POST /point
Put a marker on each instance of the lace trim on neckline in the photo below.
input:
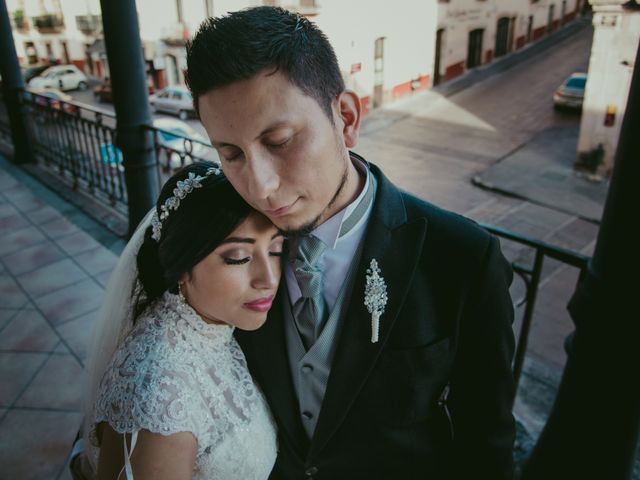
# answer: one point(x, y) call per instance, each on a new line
point(189, 315)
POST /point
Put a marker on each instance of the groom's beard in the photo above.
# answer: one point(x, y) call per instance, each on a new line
point(307, 228)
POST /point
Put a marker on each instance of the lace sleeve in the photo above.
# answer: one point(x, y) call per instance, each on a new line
point(146, 387)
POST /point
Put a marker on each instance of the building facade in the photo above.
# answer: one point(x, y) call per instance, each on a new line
point(615, 43)
point(386, 50)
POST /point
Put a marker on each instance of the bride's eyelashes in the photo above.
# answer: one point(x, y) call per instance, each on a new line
point(234, 261)
point(240, 261)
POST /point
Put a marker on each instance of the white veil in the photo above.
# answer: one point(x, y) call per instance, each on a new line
point(114, 322)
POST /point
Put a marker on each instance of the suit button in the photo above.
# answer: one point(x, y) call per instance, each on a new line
point(308, 416)
point(311, 471)
point(307, 369)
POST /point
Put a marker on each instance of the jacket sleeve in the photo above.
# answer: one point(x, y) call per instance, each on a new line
point(482, 386)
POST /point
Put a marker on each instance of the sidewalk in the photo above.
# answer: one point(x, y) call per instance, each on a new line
point(541, 171)
point(54, 264)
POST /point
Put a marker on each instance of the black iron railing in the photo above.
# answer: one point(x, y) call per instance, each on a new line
point(77, 143)
point(531, 275)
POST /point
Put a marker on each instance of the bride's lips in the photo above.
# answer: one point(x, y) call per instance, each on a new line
point(261, 304)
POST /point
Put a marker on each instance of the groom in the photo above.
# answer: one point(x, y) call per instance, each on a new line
point(424, 392)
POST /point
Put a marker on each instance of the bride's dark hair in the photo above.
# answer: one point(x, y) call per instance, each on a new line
point(205, 217)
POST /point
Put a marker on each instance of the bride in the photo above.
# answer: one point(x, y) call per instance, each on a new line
point(171, 396)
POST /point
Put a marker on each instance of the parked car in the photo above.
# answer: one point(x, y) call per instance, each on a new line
point(34, 70)
point(64, 77)
point(172, 150)
point(58, 99)
point(176, 100)
point(172, 146)
point(571, 93)
point(103, 91)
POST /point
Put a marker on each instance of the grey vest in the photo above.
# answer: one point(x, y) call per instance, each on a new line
point(310, 370)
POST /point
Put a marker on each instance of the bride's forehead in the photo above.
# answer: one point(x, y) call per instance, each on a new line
point(255, 225)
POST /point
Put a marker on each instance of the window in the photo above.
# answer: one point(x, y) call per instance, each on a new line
point(577, 83)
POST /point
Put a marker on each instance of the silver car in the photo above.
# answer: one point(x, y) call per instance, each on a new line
point(176, 100)
point(571, 93)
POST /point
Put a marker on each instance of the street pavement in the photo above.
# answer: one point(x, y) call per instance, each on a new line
point(492, 149)
point(496, 151)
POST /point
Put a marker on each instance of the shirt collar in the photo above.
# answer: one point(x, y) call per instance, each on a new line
point(330, 231)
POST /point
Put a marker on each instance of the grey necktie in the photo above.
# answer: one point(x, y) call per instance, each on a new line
point(309, 310)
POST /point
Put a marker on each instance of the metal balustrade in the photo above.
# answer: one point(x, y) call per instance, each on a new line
point(76, 142)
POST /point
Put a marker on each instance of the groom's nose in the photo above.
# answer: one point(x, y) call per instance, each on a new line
point(262, 175)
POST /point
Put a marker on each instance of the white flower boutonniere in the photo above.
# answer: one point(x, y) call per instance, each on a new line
point(375, 297)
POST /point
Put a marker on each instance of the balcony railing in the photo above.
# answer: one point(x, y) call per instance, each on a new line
point(49, 23)
point(76, 143)
point(89, 24)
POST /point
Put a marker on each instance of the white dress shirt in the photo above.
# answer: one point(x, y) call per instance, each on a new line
point(340, 251)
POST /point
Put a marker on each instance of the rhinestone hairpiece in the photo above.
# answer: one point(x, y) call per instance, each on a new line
point(183, 188)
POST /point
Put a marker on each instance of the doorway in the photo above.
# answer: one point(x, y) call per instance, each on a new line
point(474, 56)
point(502, 37)
point(437, 76)
point(378, 72)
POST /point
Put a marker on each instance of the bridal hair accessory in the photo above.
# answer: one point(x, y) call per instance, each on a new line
point(375, 297)
point(183, 188)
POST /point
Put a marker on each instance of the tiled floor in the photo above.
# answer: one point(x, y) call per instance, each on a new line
point(52, 276)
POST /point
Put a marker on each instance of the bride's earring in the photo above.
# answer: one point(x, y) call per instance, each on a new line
point(180, 294)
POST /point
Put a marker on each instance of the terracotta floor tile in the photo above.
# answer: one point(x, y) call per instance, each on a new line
point(20, 239)
point(103, 278)
point(34, 445)
point(6, 314)
point(32, 258)
point(11, 293)
point(77, 333)
point(7, 181)
point(59, 227)
point(24, 199)
point(16, 371)
point(28, 202)
point(44, 215)
point(11, 223)
point(51, 278)
point(6, 210)
point(28, 332)
point(70, 302)
point(97, 260)
point(61, 348)
point(58, 385)
point(77, 243)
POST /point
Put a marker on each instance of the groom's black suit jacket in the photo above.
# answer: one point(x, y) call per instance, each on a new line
point(447, 322)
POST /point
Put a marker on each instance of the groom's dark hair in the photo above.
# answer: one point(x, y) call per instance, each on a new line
point(240, 45)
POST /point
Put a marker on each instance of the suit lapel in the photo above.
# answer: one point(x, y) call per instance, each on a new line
point(396, 245)
point(267, 351)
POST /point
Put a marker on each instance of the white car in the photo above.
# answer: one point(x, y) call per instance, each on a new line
point(177, 145)
point(571, 93)
point(176, 100)
point(174, 146)
point(63, 77)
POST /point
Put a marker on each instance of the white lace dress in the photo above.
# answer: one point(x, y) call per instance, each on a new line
point(177, 373)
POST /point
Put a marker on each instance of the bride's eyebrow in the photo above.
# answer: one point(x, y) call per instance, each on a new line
point(246, 239)
point(238, 240)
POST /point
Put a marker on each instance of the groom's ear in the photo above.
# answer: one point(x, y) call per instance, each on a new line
point(349, 114)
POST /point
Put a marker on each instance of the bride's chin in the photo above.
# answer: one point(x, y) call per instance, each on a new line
point(252, 325)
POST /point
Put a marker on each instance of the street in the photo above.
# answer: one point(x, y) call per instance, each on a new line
point(87, 98)
point(434, 145)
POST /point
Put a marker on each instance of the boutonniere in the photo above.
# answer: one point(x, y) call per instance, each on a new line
point(375, 297)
